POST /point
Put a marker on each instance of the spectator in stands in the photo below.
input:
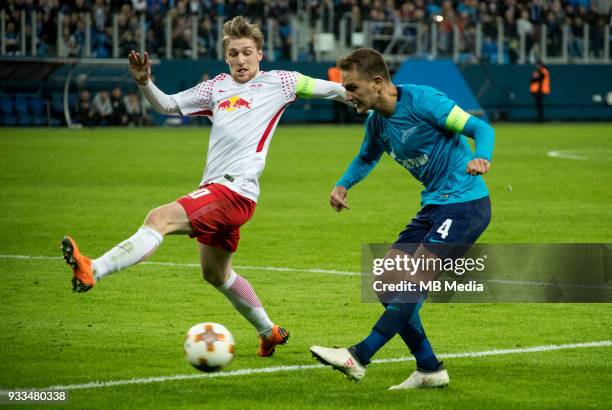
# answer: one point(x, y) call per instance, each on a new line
point(378, 16)
point(157, 8)
point(181, 46)
point(524, 27)
point(128, 43)
point(132, 108)
point(470, 7)
point(286, 36)
point(602, 7)
point(356, 19)
point(511, 49)
point(80, 7)
point(83, 109)
point(79, 36)
point(527, 15)
point(152, 42)
point(139, 6)
point(48, 29)
point(100, 15)
point(597, 35)
point(575, 36)
point(554, 34)
point(102, 108)
point(12, 39)
point(539, 87)
point(207, 39)
point(536, 11)
point(62, 46)
point(120, 116)
point(101, 45)
point(446, 30)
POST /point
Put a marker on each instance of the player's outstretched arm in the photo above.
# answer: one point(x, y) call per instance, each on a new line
point(308, 87)
point(437, 109)
point(484, 138)
point(482, 133)
point(360, 167)
point(140, 67)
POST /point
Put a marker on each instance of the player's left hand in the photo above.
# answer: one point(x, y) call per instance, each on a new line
point(477, 166)
point(140, 67)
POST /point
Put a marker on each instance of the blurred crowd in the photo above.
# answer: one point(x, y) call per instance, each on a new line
point(108, 108)
point(515, 16)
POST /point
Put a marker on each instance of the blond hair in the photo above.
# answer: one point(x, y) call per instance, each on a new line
point(240, 27)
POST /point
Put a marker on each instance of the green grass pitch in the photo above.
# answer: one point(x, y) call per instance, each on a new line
point(98, 185)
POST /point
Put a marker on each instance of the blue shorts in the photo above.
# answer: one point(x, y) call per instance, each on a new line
point(459, 223)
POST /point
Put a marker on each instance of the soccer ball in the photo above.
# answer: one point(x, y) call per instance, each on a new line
point(209, 346)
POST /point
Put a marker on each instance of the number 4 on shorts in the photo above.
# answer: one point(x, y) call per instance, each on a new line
point(444, 228)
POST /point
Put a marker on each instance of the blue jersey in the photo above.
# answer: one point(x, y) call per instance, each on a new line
point(417, 137)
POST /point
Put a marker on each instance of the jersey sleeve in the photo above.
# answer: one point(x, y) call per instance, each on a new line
point(437, 109)
point(296, 85)
point(483, 135)
point(432, 106)
point(369, 154)
point(196, 100)
point(308, 87)
point(288, 81)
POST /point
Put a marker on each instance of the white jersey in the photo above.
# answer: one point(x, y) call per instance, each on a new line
point(244, 117)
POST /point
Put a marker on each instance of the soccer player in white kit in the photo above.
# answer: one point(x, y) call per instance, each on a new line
point(244, 107)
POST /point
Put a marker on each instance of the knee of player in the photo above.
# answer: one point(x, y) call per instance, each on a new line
point(213, 276)
point(157, 219)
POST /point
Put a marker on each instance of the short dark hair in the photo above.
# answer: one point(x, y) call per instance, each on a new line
point(240, 27)
point(366, 61)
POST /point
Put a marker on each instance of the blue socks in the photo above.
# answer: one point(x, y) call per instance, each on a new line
point(365, 349)
point(420, 348)
point(402, 318)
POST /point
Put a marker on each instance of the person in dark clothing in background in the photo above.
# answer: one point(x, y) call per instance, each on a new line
point(119, 110)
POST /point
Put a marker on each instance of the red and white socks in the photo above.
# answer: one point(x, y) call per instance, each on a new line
point(242, 295)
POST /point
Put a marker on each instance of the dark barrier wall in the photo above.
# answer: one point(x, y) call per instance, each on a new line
point(172, 76)
point(578, 92)
point(443, 75)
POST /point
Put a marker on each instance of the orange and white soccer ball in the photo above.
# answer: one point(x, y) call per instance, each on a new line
point(209, 346)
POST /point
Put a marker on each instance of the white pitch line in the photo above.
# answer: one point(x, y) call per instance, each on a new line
point(567, 155)
point(318, 270)
point(197, 265)
point(279, 369)
point(48, 258)
point(268, 268)
point(546, 284)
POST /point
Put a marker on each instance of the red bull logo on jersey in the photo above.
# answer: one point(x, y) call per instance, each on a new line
point(234, 103)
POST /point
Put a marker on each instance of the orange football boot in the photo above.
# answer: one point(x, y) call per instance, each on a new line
point(267, 345)
point(82, 272)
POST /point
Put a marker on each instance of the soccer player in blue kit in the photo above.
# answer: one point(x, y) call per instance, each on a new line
point(424, 131)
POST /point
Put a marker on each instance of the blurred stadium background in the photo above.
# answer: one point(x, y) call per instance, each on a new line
point(64, 62)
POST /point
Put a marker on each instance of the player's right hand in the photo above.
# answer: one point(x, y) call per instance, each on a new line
point(477, 166)
point(140, 67)
point(337, 199)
